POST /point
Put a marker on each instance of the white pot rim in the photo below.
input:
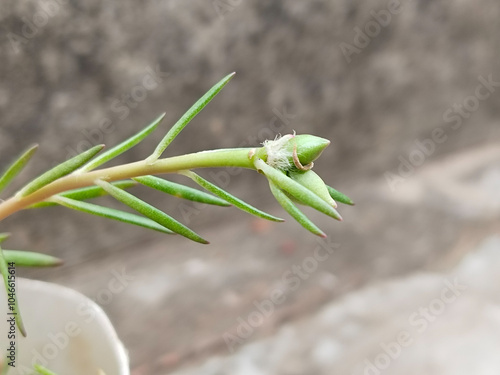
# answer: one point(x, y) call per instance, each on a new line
point(36, 291)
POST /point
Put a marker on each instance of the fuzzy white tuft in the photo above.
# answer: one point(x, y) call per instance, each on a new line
point(277, 156)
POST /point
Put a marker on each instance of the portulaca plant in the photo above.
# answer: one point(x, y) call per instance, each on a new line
point(287, 163)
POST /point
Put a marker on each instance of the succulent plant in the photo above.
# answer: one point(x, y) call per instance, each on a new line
point(286, 162)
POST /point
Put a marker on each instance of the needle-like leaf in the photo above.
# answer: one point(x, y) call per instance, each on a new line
point(298, 215)
point(10, 288)
point(42, 370)
point(180, 191)
point(149, 211)
point(16, 167)
point(86, 193)
point(187, 117)
point(4, 236)
point(339, 197)
point(110, 213)
point(59, 171)
point(310, 180)
point(296, 190)
point(122, 147)
point(31, 259)
point(228, 197)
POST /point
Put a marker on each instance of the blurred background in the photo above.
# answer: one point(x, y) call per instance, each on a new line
point(407, 91)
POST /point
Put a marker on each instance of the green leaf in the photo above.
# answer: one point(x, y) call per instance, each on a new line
point(180, 191)
point(43, 371)
point(4, 236)
point(187, 117)
point(122, 147)
point(339, 197)
point(86, 193)
point(31, 259)
point(59, 171)
point(96, 191)
point(110, 213)
point(16, 167)
point(298, 215)
point(228, 197)
point(296, 190)
point(310, 180)
point(150, 211)
point(13, 306)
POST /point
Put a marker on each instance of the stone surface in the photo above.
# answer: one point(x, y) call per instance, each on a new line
point(432, 323)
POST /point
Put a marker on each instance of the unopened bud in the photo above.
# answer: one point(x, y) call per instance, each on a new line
point(285, 152)
point(309, 147)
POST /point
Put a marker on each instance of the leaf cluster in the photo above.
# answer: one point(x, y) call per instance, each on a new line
point(288, 186)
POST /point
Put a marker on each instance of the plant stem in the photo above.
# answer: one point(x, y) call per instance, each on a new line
point(235, 157)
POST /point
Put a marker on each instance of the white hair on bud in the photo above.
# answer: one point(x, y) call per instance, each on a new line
point(277, 155)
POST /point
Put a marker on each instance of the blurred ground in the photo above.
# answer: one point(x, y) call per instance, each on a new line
point(451, 319)
point(413, 119)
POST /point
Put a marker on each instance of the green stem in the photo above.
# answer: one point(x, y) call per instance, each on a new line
point(235, 157)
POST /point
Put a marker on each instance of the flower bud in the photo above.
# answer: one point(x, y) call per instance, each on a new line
point(285, 152)
point(309, 147)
